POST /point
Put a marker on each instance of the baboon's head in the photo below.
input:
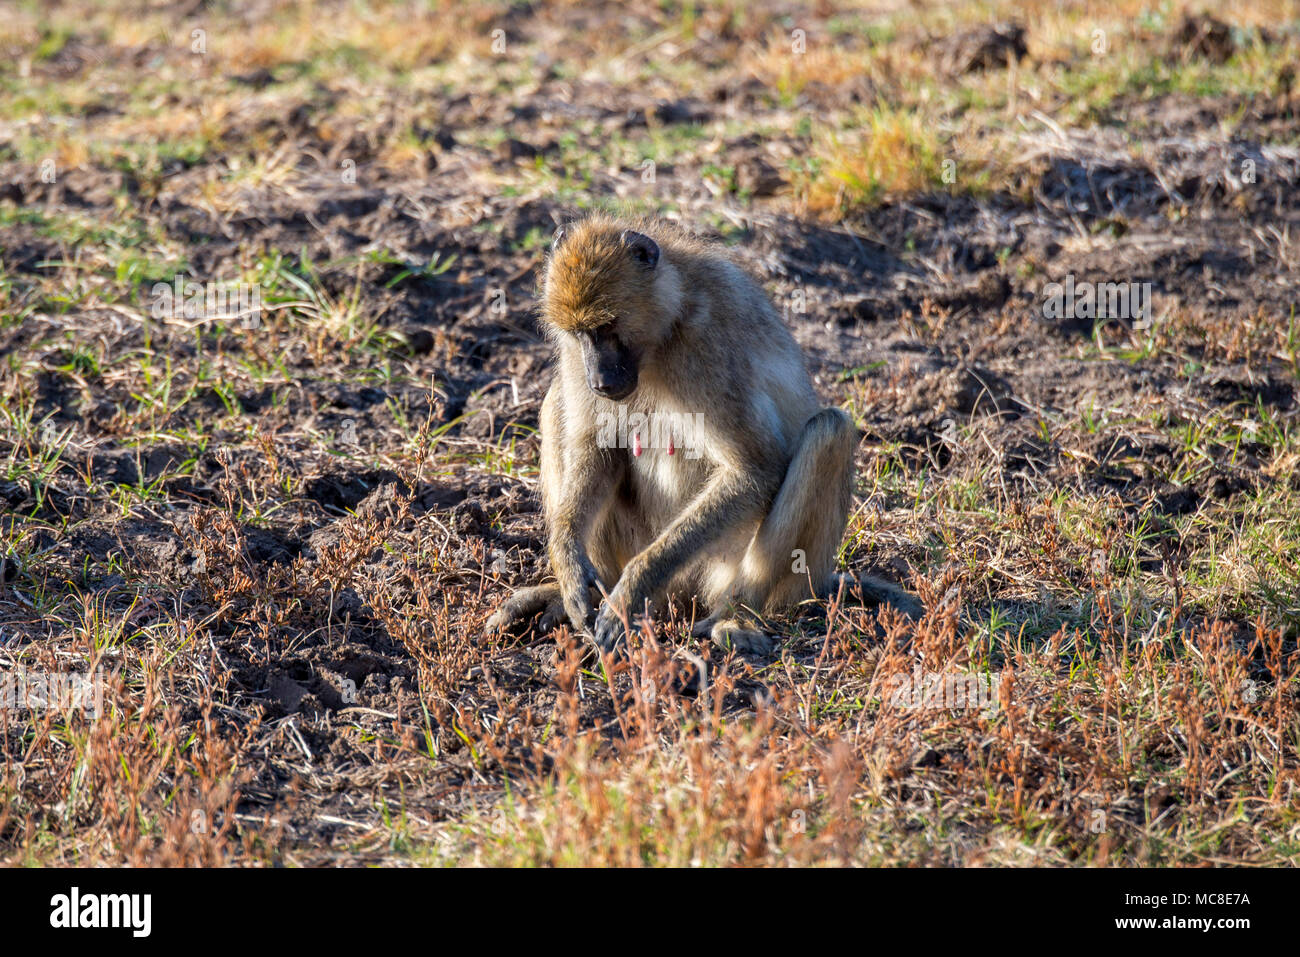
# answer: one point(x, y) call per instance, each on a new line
point(604, 290)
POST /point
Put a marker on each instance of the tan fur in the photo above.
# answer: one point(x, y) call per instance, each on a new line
point(773, 474)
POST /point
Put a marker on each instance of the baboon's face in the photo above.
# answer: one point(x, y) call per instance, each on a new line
point(611, 365)
point(600, 293)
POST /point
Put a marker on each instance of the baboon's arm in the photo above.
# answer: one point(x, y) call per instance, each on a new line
point(730, 496)
point(586, 483)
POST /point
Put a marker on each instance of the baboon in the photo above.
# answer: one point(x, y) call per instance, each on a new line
point(741, 498)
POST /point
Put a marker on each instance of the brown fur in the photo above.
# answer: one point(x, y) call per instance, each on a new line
point(724, 522)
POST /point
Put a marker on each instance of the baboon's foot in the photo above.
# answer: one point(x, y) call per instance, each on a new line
point(877, 591)
point(520, 607)
point(734, 633)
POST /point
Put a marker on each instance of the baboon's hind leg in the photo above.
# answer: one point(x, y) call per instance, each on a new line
point(524, 604)
point(793, 554)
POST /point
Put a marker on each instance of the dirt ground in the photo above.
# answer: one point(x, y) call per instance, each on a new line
point(278, 539)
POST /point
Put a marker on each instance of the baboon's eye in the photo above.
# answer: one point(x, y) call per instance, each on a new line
point(599, 336)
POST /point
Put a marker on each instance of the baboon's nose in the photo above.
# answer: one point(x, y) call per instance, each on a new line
point(613, 390)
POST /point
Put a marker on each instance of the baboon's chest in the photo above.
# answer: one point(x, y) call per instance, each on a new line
point(665, 483)
point(665, 447)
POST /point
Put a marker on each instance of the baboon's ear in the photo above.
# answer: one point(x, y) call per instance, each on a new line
point(558, 237)
point(643, 247)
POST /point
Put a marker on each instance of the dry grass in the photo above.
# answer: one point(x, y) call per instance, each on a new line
point(278, 541)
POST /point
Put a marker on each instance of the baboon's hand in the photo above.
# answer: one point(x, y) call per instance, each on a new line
point(610, 630)
point(625, 602)
point(577, 595)
point(580, 612)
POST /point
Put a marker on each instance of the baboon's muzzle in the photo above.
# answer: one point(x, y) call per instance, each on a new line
point(611, 370)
